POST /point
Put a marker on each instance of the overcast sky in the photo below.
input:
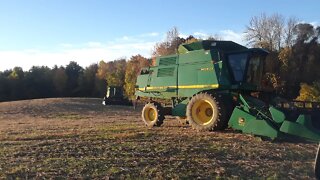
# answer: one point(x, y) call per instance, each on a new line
point(44, 32)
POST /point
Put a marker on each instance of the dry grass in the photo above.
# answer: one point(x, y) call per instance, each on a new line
point(80, 138)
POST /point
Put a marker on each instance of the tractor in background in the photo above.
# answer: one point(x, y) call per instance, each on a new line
point(115, 96)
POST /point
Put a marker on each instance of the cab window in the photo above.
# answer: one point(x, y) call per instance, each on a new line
point(237, 63)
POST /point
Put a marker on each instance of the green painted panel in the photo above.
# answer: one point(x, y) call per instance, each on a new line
point(262, 128)
point(166, 60)
point(166, 76)
point(305, 120)
point(207, 75)
point(242, 120)
point(180, 109)
point(277, 115)
point(166, 72)
point(239, 119)
point(187, 74)
point(195, 56)
point(142, 81)
point(155, 93)
point(300, 130)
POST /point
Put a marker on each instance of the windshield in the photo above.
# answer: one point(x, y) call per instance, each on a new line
point(238, 64)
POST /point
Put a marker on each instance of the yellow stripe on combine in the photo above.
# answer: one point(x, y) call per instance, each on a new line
point(181, 87)
point(199, 86)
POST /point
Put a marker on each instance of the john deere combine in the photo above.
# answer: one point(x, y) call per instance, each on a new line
point(216, 84)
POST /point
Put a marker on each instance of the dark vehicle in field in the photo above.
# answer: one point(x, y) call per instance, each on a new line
point(115, 96)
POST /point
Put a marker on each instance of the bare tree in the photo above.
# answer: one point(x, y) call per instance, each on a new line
point(265, 31)
point(277, 27)
point(289, 31)
point(170, 45)
point(255, 32)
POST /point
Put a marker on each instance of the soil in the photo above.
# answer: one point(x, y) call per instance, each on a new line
point(80, 138)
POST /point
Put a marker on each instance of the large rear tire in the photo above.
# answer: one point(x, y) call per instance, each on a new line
point(206, 113)
point(152, 114)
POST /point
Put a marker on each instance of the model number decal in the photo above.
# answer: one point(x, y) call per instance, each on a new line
point(206, 69)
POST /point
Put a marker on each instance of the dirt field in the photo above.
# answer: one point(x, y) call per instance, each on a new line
point(80, 138)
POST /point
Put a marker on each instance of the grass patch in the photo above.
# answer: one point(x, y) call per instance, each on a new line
point(67, 116)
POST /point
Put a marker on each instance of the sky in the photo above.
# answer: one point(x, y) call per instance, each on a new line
point(55, 32)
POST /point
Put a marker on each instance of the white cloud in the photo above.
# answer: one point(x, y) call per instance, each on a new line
point(31, 51)
point(66, 45)
point(230, 35)
point(90, 52)
point(315, 24)
point(125, 38)
point(138, 38)
point(94, 44)
point(87, 53)
point(152, 34)
point(183, 35)
point(201, 35)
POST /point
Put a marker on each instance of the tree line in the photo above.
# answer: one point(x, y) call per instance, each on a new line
point(291, 66)
point(71, 80)
point(44, 82)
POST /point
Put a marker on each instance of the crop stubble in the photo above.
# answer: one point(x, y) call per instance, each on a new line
point(80, 138)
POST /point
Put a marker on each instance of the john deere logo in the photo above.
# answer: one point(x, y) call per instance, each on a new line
point(241, 121)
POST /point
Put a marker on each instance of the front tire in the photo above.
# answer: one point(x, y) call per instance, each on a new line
point(205, 114)
point(152, 114)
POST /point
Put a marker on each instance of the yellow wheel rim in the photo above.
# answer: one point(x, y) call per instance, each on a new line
point(202, 112)
point(150, 114)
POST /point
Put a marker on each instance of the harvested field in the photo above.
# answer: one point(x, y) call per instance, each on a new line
point(80, 138)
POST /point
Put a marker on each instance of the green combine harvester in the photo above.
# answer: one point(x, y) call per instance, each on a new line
point(218, 84)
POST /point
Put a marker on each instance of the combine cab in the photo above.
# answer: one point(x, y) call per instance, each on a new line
point(216, 84)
